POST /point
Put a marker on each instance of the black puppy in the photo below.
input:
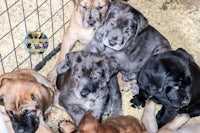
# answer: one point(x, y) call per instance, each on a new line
point(88, 82)
point(126, 36)
point(171, 78)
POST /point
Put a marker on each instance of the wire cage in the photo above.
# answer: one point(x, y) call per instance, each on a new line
point(20, 17)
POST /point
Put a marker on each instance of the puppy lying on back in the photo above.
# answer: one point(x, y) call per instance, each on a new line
point(88, 82)
point(85, 19)
point(126, 36)
point(113, 124)
point(174, 126)
point(172, 79)
point(26, 98)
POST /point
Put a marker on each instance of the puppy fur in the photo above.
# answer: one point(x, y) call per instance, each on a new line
point(26, 98)
point(85, 19)
point(88, 82)
point(174, 126)
point(126, 36)
point(172, 79)
point(113, 124)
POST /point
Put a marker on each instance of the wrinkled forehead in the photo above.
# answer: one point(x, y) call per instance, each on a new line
point(120, 18)
point(94, 3)
point(87, 60)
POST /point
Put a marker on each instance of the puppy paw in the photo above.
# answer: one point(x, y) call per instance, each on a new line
point(66, 126)
point(136, 102)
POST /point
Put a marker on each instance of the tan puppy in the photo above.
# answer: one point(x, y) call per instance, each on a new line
point(114, 124)
point(175, 126)
point(85, 19)
point(25, 100)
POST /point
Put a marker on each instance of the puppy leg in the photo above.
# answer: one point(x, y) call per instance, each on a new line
point(115, 96)
point(148, 117)
point(165, 115)
point(76, 113)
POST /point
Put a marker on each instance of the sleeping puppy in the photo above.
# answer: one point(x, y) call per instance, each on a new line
point(172, 79)
point(85, 19)
point(88, 82)
point(113, 124)
point(126, 36)
point(174, 126)
point(26, 98)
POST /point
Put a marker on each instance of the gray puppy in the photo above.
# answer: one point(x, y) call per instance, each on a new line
point(88, 82)
point(126, 36)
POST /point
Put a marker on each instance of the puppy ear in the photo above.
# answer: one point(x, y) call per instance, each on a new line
point(62, 67)
point(185, 54)
point(43, 97)
point(3, 81)
point(142, 23)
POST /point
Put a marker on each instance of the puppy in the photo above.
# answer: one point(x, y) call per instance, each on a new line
point(26, 98)
point(85, 19)
point(113, 124)
point(88, 82)
point(174, 126)
point(172, 79)
point(126, 36)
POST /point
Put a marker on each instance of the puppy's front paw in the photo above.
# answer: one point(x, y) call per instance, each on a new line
point(66, 126)
point(136, 102)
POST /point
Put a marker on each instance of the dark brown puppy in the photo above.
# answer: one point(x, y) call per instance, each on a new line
point(88, 82)
point(26, 98)
point(113, 124)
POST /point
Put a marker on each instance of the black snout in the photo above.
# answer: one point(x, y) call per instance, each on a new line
point(85, 92)
point(91, 21)
point(186, 101)
point(112, 41)
point(24, 124)
point(90, 87)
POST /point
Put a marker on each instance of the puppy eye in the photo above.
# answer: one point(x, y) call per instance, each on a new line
point(84, 7)
point(29, 112)
point(95, 77)
point(10, 113)
point(99, 8)
point(127, 31)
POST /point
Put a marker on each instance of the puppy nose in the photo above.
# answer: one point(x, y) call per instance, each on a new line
point(20, 130)
point(186, 101)
point(84, 92)
point(91, 22)
point(112, 41)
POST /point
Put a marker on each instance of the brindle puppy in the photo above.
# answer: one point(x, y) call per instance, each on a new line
point(87, 82)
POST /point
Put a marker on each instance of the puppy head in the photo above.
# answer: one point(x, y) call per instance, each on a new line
point(88, 72)
point(25, 103)
point(121, 23)
point(92, 11)
point(88, 124)
point(168, 78)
